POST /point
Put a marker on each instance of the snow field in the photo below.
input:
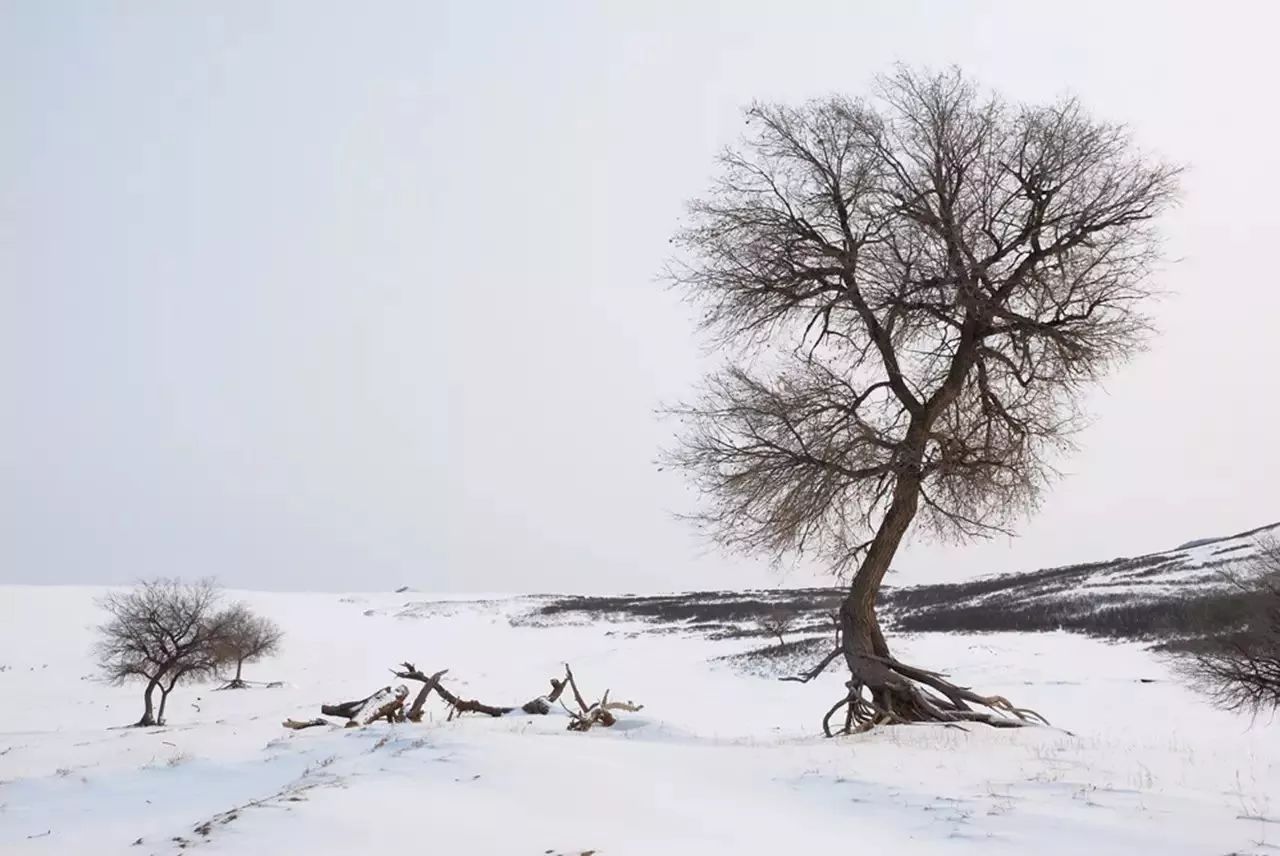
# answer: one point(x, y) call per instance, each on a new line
point(718, 762)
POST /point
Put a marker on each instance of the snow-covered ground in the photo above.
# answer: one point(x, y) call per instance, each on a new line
point(718, 762)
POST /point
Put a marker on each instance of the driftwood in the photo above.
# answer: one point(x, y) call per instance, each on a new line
point(349, 709)
point(600, 713)
point(390, 705)
point(385, 704)
point(587, 715)
point(458, 706)
point(415, 711)
point(542, 704)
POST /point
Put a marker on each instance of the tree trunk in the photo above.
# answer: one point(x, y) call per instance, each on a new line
point(882, 689)
point(859, 624)
point(237, 683)
point(164, 697)
point(148, 717)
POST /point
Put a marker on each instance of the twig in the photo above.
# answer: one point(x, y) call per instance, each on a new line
point(815, 671)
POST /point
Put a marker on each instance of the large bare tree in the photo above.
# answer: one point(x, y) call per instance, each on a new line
point(161, 632)
point(916, 288)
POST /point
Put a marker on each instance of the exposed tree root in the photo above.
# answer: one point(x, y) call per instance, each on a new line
point(242, 684)
point(885, 691)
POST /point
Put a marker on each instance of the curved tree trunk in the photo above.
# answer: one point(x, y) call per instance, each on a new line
point(148, 715)
point(859, 624)
point(164, 697)
point(881, 688)
point(237, 683)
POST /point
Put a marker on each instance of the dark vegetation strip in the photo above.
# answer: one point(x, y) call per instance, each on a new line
point(1178, 616)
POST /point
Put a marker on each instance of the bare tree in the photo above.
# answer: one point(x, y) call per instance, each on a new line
point(778, 621)
point(916, 287)
point(1241, 669)
point(248, 637)
point(161, 632)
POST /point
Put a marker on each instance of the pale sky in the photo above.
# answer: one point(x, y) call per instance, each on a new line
point(347, 296)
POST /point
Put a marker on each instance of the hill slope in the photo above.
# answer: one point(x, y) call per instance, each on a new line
point(1168, 597)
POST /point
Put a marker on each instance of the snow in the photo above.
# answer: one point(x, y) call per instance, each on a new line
point(717, 762)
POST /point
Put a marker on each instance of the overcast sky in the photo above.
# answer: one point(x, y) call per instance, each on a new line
point(348, 296)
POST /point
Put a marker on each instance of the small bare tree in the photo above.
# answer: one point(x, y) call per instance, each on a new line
point(248, 637)
point(162, 632)
point(916, 288)
point(778, 621)
point(1241, 669)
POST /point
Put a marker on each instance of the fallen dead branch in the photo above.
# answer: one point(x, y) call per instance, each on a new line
point(347, 709)
point(386, 704)
point(600, 713)
point(415, 710)
point(457, 706)
point(390, 705)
